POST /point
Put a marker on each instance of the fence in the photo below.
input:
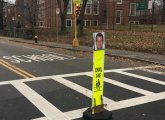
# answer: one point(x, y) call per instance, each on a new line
point(127, 16)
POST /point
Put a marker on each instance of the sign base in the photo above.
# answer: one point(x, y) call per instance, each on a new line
point(104, 115)
point(75, 42)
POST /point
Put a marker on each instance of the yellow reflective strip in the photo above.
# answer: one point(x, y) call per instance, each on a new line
point(18, 69)
point(98, 75)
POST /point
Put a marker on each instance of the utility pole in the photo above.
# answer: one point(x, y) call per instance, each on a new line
point(1, 14)
point(76, 13)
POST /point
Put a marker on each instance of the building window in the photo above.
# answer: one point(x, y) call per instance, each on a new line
point(118, 16)
point(95, 7)
point(87, 23)
point(41, 24)
point(118, 1)
point(88, 7)
point(68, 23)
point(134, 22)
point(69, 9)
point(41, 1)
point(41, 13)
point(132, 9)
point(95, 23)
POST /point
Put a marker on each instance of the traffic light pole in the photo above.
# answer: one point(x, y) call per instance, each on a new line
point(75, 24)
point(75, 40)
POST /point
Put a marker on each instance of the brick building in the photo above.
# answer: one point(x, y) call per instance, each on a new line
point(125, 12)
point(9, 16)
point(47, 13)
point(47, 9)
point(97, 12)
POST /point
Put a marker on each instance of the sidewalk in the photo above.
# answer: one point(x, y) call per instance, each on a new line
point(147, 57)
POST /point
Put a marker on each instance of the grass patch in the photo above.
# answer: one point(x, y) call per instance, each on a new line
point(152, 42)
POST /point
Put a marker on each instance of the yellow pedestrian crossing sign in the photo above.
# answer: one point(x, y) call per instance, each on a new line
point(98, 72)
point(98, 112)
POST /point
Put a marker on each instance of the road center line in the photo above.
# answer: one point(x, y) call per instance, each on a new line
point(16, 69)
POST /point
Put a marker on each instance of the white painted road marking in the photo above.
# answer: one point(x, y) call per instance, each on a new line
point(49, 52)
point(129, 87)
point(142, 77)
point(50, 112)
point(154, 71)
point(36, 58)
point(41, 118)
point(53, 113)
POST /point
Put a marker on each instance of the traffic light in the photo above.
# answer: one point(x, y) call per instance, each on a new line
point(77, 11)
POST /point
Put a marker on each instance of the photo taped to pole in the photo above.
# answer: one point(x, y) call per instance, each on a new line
point(99, 41)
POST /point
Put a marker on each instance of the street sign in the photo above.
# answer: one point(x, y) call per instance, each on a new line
point(98, 74)
point(57, 10)
point(76, 1)
point(150, 4)
point(141, 6)
point(98, 112)
point(98, 71)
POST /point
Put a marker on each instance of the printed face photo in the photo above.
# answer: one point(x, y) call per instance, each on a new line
point(99, 43)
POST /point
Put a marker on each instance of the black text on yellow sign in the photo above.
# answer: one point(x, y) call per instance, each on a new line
point(98, 75)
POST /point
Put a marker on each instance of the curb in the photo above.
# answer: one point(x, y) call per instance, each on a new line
point(78, 49)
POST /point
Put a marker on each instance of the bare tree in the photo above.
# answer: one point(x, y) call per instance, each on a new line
point(28, 12)
point(31, 13)
point(81, 18)
point(63, 5)
point(163, 12)
point(1, 14)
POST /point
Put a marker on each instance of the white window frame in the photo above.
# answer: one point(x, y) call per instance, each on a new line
point(120, 16)
point(43, 24)
point(137, 22)
point(134, 22)
point(121, 1)
point(97, 8)
point(96, 21)
point(67, 21)
point(90, 8)
point(71, 7)
point(41, 1)
point(85, 21)
point(134, 9)
point(41, 11)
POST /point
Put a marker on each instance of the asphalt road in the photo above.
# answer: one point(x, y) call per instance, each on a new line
point(40, 85)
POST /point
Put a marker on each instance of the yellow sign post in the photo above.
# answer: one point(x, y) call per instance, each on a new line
point(76, 12)
point(97, 112)
point(97, 85)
